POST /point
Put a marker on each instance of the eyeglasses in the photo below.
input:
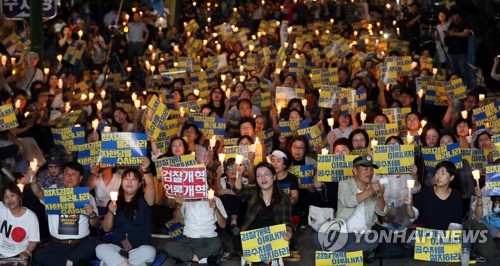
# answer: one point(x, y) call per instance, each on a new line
point(358, 140)
point(300, 148)
point(268, 175)
point(230, 167)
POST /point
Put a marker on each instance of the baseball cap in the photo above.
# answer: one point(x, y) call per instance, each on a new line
point(55, 158)
point(366, 161)
point(279, 154)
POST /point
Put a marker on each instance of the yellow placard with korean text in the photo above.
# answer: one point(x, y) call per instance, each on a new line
point(335, 168)
point(394, 159)
point(8, 118)
point(381, 132)
point(265, 243)
point(323, 258)
point(438, 245)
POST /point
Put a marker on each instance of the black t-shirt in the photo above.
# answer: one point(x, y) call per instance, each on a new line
point(264, 218)
point(458, 45)
point(289, 183)
point(437, 213)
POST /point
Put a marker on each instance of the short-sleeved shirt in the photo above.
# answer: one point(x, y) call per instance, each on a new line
point(200, 219)
point(17, 232)
point(289, 183)
point(75, 226)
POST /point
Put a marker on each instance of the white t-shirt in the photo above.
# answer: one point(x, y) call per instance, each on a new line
point(17, 232)
point(357, 221)
point(70, 226)
point(200, 219)
point(102, 190)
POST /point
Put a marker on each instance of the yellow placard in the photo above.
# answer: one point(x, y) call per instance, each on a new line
point(381, 132)
point(335, 168)
point(394, 159)
point(438, 245)
point(7, 117)
point(265, 243)
point(323, 258)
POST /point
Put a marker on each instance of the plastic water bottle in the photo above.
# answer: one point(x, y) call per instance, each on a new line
point(465, 256)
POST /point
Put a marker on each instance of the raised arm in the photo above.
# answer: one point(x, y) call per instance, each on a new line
point(149, 190)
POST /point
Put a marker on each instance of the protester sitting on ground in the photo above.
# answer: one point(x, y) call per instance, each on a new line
point(267, 204)
point(70, 242)
point(129, 220)
point(201, 244)
point(360, 200)
point(24, 237)
point(439, 206)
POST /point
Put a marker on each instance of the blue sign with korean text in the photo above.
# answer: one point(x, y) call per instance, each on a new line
point(18, 9)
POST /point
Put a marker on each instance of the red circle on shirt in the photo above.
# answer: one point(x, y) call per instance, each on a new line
point(18, 234)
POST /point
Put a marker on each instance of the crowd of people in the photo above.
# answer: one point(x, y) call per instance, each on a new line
point(233, 63)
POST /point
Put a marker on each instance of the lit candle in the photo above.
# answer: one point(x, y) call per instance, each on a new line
point(304, 103)
point(67, 107)
point(362, 116)
point(210, 194)
point(34, 165)
point(83, 97)
point(228, 93)
point(144, 107)
point(91, 95)
point(409, 138)
point(332, 20)
point(331, 122)
point(80, 34)
point(196, 92)
point(242, 78)
point(13, 60)
point(46, 71)
point(4, 60)
point(481, 97)
point(213, 141)
point(107, 129)
point(18, 104)
point(26, 114)
point(113, 195)
point(464, 114)
point(420, 94)
point(476, 174)
point(99, 105)
point(95, 124)
point(420, 131)
point(434, 71)
point(176, 64)
point(223, 77)
point(253, 148)
point(423, 123)
point(182, 111)
point(470, 132)
point(103, 94)
point(239, 159)
point(21, 187)
point(324, 151)
point(413, 65)
point(137, 104)
point(134, 97)
point(59, 58)
point(128, 84)
point(222, 156)
point(129, 69)
point(374, 143)
point(257, 142)
point(410, 183)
